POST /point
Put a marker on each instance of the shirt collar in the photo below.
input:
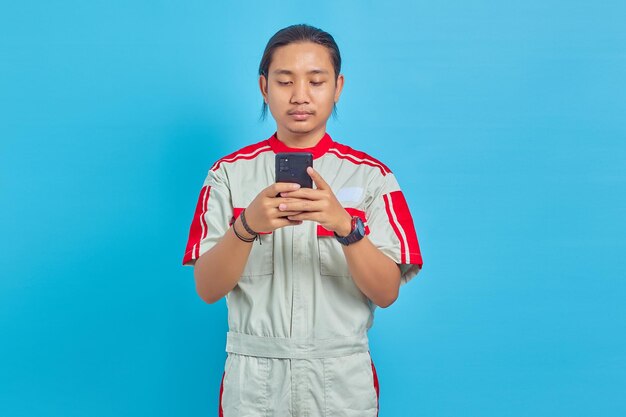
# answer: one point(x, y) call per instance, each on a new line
point(318, 150)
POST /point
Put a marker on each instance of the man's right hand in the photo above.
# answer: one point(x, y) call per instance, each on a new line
point(263, 215)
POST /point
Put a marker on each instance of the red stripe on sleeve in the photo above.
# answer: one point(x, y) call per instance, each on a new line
point(401, 210)
point(395, 228)
point(205, 226)
point(195, 230)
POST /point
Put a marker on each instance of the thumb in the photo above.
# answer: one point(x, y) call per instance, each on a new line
point(317, 179)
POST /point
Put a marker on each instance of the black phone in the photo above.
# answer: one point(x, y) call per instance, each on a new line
point(291, 167)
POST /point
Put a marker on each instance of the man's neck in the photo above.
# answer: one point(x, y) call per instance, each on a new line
point(301, 140)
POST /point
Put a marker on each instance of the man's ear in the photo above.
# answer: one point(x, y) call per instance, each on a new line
point(338, 87)
point(263, 87)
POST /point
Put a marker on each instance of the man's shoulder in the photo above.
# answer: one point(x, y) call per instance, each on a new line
point(245, 153)
point(358, 158)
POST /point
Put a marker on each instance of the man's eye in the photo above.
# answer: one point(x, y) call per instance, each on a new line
point(317, 83)
point(284, 82)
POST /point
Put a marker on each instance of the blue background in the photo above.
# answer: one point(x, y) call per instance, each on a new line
point(503, 121)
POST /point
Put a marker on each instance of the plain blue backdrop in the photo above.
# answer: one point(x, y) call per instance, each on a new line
point(503, 122)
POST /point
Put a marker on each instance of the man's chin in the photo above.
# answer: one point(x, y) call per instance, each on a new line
point(300, 130)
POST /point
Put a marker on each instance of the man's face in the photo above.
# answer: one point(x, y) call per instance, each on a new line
point(300, 89)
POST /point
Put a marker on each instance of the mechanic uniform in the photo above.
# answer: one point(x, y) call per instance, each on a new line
point(297, 341)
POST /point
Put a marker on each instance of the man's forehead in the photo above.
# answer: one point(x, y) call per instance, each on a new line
point(309, 58)
point(290, 72)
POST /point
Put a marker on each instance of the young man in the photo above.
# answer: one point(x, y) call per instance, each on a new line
point(302, 298)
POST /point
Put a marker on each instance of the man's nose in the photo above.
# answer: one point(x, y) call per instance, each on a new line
point(300, 93)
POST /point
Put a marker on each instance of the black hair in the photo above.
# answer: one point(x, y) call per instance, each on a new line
point(294, 34)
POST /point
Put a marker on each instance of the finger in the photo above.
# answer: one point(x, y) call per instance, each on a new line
point(278, 212)
point(284, 200)
point(281, 213)
point(303, 193)
point(314, 216)
point(302, 205)
point(317, 179)
point(280, 187)
point(283, 222)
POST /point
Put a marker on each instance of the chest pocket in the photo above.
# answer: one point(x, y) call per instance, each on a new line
point(332, 260)
point(261, 259)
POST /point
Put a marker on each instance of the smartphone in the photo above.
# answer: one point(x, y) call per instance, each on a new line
point(291, 167)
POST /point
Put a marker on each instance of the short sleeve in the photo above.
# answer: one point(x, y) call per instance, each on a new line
point(391, 228)
point(211, 218)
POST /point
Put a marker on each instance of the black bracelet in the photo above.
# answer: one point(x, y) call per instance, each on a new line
point(247, 240)
point(245, 224)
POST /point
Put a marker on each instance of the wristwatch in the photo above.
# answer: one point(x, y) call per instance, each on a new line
point(357, 232)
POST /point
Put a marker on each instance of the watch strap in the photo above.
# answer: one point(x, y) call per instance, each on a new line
point(357, 232)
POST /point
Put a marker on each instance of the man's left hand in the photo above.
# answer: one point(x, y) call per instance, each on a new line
point(319, 205)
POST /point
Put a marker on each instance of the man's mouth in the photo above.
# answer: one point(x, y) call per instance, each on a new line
point(300, 115)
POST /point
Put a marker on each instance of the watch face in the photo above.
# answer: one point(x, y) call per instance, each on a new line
point(360, 226)
point(357, 233)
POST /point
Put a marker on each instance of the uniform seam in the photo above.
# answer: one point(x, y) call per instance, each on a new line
point(265, 387)
point(324, 389)
point(329, 386)
point(291, 385)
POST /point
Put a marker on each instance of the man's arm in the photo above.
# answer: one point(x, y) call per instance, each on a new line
point(218, 270)
point(376, 275)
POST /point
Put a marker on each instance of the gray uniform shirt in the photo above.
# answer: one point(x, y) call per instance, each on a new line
point(296, 283)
